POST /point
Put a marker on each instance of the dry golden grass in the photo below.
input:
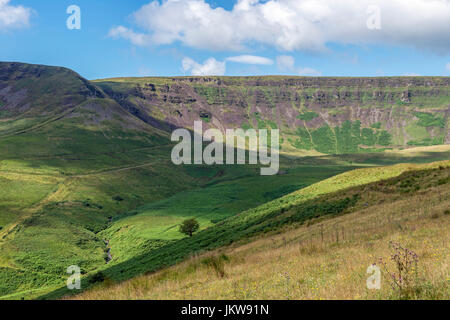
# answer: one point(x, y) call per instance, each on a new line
point(418, 150)
point(326, 259)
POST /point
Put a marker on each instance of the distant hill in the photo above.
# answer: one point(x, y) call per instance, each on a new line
point(315, 115)
point(35, 95)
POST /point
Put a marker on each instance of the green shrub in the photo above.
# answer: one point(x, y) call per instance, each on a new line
point(304, 141)
point(324, 140)
point(429, 120)
point(384, 139)
point(369, 138)
point(98, 277)
point(376, 125)
point(308, 116)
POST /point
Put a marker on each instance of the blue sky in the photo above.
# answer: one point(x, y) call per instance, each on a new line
point(201, 37)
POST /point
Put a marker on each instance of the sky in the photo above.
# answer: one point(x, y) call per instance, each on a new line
point(230, 37)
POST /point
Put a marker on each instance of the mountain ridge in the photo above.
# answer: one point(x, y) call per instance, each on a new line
point(310, 112)
point(316, 115)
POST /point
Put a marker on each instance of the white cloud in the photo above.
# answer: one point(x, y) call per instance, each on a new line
point(210, 67)
point(285, 63)
point(309, 72)
point(295, 24)
point(448, 66)
point(138, 39)
point(247, 59)
point(411, 74)
point(12, 17)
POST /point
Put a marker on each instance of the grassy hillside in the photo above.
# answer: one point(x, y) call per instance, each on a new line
point(43, 205)
point(82, 163)
point(315, 250)
point(156, 224)
point(312, 202)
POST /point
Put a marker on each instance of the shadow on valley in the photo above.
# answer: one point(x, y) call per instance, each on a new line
point(234, 229)
point(342, 194)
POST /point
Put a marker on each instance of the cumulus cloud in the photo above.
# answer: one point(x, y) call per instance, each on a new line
point(411, 74)
point(309, 72)
point(210, 67)
point(448, 66)
point(13, 17)
point(285, 63)
point(138, 39)
point(247, 59)
point(289, 25)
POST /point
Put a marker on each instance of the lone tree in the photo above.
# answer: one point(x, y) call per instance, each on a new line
point(189, 226)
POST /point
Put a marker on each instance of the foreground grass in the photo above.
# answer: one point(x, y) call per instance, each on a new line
point(282, 267)
point(325, 258)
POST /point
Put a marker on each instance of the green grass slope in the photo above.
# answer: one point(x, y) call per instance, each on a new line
point(156, 224)
point(330, 197)
point(318, 251)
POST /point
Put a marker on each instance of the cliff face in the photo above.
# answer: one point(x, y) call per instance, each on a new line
point(326, 115)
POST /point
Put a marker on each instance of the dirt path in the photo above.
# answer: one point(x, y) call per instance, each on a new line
point(117, 169)
point(40, 125)
point(60, 192)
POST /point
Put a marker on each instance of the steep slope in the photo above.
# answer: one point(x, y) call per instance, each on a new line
point(32, 96)
point(315, 115)
point(156, 224)
point(331, 197)
point(322, 256)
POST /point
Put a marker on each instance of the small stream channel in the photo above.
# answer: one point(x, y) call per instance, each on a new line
point(108, 248)
point(108, 251)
